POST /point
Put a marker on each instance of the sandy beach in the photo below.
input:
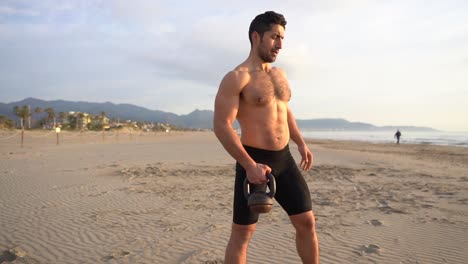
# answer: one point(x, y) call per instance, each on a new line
point(167, 198)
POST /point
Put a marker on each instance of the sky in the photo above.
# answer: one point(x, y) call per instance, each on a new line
point(383, 62)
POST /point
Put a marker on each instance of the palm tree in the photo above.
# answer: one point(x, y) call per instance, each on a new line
point(22, 112)
point(38, 110)
point(50, 114)
point(62, 116)
point(81, 121)
point(16, 111)
point(29, 115)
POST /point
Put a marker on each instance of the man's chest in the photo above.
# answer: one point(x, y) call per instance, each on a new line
point(265, 87)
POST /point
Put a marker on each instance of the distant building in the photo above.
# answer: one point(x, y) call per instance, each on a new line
point(80, 120)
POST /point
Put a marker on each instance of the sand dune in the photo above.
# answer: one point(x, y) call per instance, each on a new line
point(167, 198)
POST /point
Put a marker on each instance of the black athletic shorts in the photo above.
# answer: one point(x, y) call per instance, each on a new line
point(292, 192)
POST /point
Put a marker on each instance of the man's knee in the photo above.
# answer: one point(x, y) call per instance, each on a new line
point(304, 222)
point(242, 233)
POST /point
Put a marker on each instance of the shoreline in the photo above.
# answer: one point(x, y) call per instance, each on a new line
point(441, 138)
point(11, 135)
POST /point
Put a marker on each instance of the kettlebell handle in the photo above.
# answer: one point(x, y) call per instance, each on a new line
point(271, 185)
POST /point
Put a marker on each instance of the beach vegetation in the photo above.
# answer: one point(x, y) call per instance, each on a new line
point(6, 123)
point(48, 118)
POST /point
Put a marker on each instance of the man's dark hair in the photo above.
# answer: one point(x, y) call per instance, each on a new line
point(263, 23)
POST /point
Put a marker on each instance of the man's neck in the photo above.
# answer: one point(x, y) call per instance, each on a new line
point(254, 63)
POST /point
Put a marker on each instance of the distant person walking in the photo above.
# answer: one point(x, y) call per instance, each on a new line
point(397, 136)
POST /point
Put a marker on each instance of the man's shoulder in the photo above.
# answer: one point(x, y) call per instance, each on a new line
point(241, 71)
point(278, 70)
point(238, 74)
point(235, 80)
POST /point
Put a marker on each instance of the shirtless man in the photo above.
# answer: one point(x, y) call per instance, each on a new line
point(257, 94)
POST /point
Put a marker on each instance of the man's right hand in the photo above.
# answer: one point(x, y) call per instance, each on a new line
point(257, 173)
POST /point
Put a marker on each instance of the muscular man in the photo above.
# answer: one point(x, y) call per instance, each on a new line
point(257, 94)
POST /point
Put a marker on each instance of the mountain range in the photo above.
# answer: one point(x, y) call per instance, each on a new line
point(198, 119)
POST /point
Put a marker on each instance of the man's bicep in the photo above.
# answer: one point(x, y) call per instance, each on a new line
point(226, 108)
point(227, 100)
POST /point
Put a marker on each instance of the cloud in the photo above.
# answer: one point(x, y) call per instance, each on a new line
point(13, 11)
point(339, 55)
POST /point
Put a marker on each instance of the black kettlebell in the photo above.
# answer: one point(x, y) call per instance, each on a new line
point(259, 201)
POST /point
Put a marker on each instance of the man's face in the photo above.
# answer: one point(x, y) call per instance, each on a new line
point(271, 43)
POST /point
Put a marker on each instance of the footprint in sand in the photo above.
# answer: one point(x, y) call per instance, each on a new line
point(116, 255)
point(376, 222)
point(384, 207)
point(369, 249)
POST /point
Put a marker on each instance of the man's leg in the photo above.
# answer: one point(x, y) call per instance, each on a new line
point(306, 237)
point(236, 251)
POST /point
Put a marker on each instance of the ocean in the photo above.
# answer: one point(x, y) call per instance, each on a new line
point(458, 139)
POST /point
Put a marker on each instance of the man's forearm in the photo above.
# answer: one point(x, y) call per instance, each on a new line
point(297, 137)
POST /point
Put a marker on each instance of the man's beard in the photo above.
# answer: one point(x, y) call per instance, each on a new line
point(266, 55)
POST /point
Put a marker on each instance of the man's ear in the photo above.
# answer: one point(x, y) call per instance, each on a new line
point(255, 37)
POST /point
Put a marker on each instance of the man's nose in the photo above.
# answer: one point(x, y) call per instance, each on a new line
point(279, 44)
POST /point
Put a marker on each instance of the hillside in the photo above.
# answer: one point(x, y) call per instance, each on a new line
point(117, 111)
point(342, 124)
point(198, 119)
